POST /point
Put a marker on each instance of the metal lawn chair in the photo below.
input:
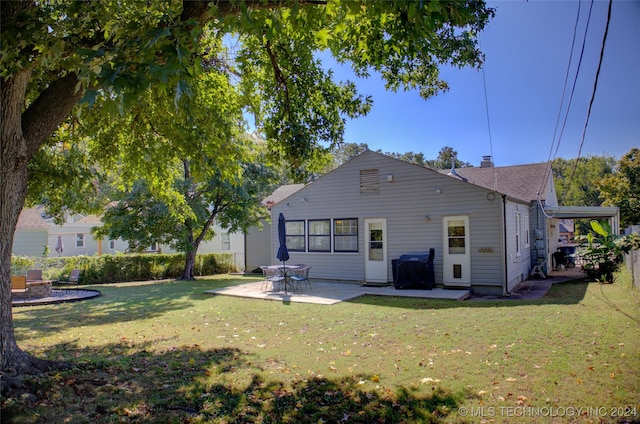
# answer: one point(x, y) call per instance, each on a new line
point(74, 277)
point(300, 276)
point(273, 276)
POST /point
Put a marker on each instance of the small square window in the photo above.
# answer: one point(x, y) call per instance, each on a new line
point(79, 240)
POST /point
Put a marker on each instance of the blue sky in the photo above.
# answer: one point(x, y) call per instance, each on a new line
point(527, 47)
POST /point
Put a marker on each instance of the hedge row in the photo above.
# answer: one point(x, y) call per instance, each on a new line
point(120, 268)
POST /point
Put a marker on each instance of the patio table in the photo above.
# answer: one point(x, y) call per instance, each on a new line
point(285, 271)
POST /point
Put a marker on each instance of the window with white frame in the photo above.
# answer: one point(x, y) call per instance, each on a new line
point(319, 235)
point(345, 235)
point(527, 241)
point(295, 236)
point(518, 237)
point(112, 244)
point(79, 240)
point(225, 241)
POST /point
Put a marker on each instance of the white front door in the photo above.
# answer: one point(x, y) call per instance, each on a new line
point(375, 268)
point(456, 260)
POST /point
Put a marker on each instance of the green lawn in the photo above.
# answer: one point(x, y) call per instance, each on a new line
point(167, 352)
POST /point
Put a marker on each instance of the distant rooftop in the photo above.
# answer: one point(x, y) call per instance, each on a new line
point(30, 219)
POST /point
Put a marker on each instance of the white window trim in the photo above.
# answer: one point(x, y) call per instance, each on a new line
point(225, 239)
point(80, 241)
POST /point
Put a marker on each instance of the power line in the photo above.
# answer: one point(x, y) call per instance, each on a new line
point(593, 96)
point(575, 80)
point(486, 107)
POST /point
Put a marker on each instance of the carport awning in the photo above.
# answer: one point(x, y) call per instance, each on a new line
point(576, 212)
point(581, 212)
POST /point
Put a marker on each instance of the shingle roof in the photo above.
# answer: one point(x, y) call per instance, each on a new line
point(522, 182)
point(281, 193)
point(30, 219)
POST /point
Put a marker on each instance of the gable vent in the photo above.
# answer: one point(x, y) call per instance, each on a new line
point(369, 181)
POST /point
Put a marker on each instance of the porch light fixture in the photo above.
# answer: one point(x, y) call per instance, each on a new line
point(426, 218)
point(438, 191)
point(389, 177)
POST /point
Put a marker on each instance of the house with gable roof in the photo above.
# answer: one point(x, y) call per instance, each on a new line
point(31, 235)
point(490, 226)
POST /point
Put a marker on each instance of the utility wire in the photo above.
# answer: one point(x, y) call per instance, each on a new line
point(564, 90)
point(486, 107)
point(575, 79)
point(593, 95)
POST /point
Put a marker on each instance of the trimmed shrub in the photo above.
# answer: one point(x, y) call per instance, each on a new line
point(121, 268)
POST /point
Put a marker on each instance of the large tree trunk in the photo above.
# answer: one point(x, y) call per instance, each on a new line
point(13, 190)
point(189, 265)
point(21, 135)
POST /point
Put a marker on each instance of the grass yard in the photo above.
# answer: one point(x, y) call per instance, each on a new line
point(167, 352)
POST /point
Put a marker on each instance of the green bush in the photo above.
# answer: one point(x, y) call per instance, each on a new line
point(602, 251)
point(120, 268)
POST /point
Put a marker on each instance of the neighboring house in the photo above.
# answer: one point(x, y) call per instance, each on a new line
point(567, 230)
point(77, 238)
point(30, 238)
point(486, 224)
point(34, 233)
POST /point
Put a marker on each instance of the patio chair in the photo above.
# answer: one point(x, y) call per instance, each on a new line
point(273, 276)
point(34, 275)
point(19, 286)
point(74, 277)
point(301, 276)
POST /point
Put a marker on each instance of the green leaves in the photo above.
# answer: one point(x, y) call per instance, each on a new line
point(622, 188)
point(603, 253)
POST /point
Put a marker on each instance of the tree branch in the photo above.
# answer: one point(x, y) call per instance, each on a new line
point(49, 110)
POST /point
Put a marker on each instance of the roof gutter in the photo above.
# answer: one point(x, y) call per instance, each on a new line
point(505, 285)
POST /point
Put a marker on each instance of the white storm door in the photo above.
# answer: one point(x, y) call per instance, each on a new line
point(456, 258)
point(375, 268)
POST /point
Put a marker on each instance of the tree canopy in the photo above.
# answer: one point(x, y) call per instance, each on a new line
point(577, 179)
point(622, 188)
point(56, 55)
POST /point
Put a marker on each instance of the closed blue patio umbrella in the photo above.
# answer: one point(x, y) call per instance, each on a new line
point(283, 252)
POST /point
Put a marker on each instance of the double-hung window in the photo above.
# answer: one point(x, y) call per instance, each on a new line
point(320, 235)
point(345, 235)
point(79, 240)
point(518, 237)
point(295, 236)
point(225, 241)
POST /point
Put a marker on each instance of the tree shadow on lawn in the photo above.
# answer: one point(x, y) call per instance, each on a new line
point(119, 303)
point(565, 293)
point(111, 384)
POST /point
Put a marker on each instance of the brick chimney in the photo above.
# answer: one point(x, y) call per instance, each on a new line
point(486, 162)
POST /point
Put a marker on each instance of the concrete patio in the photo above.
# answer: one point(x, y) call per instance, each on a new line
point(329, 293)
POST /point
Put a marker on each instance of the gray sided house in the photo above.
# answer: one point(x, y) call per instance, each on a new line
point(31, 236)
point(484, 223)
